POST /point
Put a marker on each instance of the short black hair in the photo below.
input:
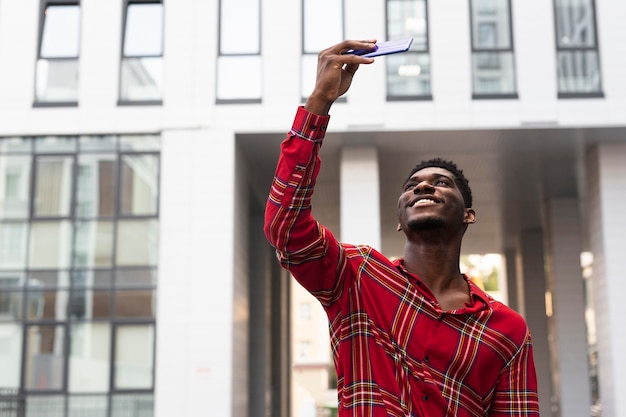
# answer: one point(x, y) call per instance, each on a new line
point(459, 177)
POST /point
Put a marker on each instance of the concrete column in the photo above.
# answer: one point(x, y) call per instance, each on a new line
point(568, 330)
point(606, 185)
point(533, 277)
point(510, 265)
point(360, 196)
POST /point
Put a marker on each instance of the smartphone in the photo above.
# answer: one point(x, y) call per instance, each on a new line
point(384, 48)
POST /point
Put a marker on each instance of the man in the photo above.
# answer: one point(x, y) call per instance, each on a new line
point(410, 337)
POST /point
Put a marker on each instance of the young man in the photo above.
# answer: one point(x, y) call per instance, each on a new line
point(410, 337)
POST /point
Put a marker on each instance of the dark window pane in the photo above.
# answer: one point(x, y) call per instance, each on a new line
point(10, 308)
point(91, 278)
point(126, 405)
point(575, 23)
point(135, 303)
point(579, 72)
point(44, 358)
point(48, 279)
point(408, 74)
point(95, 194)
point(47, 304)
point(88, 304)
point(139, 185)
point(491, 24)
point(136, 277)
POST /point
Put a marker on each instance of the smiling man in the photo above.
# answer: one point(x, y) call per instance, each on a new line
point(410, 337)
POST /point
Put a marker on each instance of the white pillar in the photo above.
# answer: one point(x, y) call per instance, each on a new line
point(195, 309)
point(568, 330)
point(606, 188)
point(360, 196)
point(533, 292)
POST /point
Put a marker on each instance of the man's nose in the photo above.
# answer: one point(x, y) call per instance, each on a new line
point(422, 187)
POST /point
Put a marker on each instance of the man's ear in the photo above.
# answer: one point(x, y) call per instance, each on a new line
point(399, 228)
point(470, 216)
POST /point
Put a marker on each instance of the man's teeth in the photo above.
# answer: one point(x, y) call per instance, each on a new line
point(424, 201)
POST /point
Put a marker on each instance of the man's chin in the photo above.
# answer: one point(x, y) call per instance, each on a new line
point(427, 223)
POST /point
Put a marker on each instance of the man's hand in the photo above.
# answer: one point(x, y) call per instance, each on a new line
point(335, 69)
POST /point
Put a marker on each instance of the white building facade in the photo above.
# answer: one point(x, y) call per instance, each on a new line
point(138, 140)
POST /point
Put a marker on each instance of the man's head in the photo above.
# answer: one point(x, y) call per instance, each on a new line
point(436, 195)
point(459, 177)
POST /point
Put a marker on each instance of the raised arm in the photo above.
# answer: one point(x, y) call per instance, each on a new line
point(304, 246)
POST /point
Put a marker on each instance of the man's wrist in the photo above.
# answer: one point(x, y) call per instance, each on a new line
point(317, 105)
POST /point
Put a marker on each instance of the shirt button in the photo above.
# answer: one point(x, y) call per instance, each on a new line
point(425, 398)
point(426, 358)
point(313, 127)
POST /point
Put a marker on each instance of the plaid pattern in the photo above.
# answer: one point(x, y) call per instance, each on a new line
point(396, 352)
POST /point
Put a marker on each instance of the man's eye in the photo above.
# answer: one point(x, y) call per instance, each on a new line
point(442, 182)
point(409, 187)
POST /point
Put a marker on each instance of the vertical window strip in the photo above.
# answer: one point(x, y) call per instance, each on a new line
point(317, 36)
point(239, 47)
point(493, 60)
point(578, 56)
point(56, 80)
point(141, 72)
point(408, 74)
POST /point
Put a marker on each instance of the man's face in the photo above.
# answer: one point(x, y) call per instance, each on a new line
point(431, 199)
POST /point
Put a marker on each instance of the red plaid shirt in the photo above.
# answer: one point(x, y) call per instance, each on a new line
point(396, 352)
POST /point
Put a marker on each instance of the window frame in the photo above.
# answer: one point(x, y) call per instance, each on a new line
point(221, 54)
point(426, 51)
point(595, 48)
point(125, 5)
point(497, 50)
point(43, 5)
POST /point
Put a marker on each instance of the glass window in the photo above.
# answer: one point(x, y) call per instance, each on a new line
point(134, 353)
point(137, 243)
point(87, 405)
point(11, 357)
point(578, 59)
point(44, 357)
point(53, 186)
point(47, 304)
point(89, 358)
point(57, 66)
point(50, 244)
point(139, 185)
point(14, 187)
point(239, 47)
point(13, 244)
point(408, 74)
point(96, 183)
point(77, 262)
point(493, 65)
point(141, 76)
point(142, 405)
point(316, 36)
point(93, 244)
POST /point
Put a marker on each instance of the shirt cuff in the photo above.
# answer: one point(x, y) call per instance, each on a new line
point(310, 126)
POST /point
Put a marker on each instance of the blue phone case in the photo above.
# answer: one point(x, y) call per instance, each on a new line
point(385, 48)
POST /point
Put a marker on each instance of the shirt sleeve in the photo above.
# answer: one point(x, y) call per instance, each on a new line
point(516, 389)
point(303, 246)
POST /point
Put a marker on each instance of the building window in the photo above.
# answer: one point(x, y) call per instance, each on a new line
point(239, 47)
point(317, 36)
point(493, 63)
point(141, 72)
point(408, 74)
point(78, 273)
point(56, 81)
point(578, 58)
